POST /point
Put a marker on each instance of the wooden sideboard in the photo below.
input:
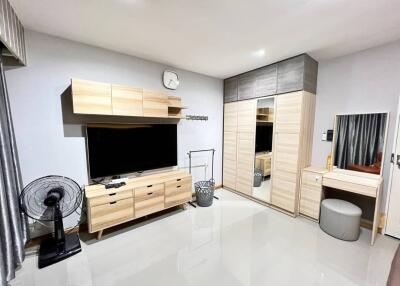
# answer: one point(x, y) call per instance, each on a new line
point(140, 196)
point(99, 98)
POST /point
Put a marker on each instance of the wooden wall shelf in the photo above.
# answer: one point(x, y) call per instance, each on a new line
point(97, 98)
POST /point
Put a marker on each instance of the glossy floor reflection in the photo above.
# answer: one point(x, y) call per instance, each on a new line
point(234, 242)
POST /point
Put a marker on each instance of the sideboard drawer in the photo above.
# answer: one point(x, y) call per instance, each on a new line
point(178, 192)
point(149, 199)
point(110, 214)
point(117, 196)
point(144, 192)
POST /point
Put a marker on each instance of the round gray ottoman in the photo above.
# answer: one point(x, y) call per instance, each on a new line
point(340, 219)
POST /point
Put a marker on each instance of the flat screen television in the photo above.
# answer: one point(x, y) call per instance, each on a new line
point(117, 149)
point(264, 135)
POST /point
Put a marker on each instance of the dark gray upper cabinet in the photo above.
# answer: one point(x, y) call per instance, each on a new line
point(247, 85)
point(298, 73)
point(231, 89)
point(266, 80)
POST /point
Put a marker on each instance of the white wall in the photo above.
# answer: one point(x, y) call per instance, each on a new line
point(47, 144)
point(366, 81)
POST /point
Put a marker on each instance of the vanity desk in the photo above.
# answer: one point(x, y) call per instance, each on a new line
point(314, 180)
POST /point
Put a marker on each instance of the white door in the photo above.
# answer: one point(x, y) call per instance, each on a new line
point(393, 215)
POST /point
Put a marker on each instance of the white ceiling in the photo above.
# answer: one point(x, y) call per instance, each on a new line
point(219, 38)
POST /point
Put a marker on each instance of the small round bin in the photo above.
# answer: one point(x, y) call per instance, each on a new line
point(204, 192)
point(258, 176)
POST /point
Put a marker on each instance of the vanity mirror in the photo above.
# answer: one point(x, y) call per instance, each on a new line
point(359, 142)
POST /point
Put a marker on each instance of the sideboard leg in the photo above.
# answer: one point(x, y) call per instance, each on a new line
point(99, 234)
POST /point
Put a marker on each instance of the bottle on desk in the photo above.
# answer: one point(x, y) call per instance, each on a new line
point(329, 163)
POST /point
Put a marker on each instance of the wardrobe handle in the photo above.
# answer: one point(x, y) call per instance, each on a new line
point(149, 186)
point(178, 186)
point(113, 194)
point(149, 193)
point(178, 180)
point(112, 203)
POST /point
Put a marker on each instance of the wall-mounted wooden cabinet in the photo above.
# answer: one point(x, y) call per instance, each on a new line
point(155, 104)
point(127, 101)
point(294, 74)
point(89, 97)
point(11, 35)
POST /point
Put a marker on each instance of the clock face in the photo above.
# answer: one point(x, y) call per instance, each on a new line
point(171, 79)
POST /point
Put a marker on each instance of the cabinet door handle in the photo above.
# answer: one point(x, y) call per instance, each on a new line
point(149, 186)
point(149, 193)
point(178, 186)
point(178, 180)
point(111, 203)
point(113, 194)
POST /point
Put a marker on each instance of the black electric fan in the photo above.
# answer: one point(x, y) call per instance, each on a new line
point(53, 198)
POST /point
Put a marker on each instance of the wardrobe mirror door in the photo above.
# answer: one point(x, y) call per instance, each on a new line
point(263, 149)
point(359, 142)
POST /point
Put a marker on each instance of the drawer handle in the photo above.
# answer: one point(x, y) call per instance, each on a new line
point(149, 186)
point(113, 203)
point(149, 193)
point(178, 180)
point(178, 186)
point(113, 194)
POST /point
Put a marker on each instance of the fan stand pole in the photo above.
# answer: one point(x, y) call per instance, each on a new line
point(59, 233)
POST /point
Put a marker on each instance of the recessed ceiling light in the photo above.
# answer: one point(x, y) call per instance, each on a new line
point(259, 53)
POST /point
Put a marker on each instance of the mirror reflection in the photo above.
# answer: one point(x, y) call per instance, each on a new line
point(263, 149)
point(359, 142)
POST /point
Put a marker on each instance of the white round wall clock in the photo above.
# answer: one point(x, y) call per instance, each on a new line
point(170, 79)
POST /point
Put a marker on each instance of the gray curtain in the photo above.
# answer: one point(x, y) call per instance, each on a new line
point(359, 139)
point(13, 224)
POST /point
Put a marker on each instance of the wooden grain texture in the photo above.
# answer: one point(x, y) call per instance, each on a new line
point(155, 104)
point(230, 117)
point(89, 97)
point(246, 116)
point(149, 199)
point(230, 159)
point(245, 162)
point(291, 75)
point(107, 215)
point(292, 145)
point(231, 89)
point(117, 196)
point(178, 192)
point(127, 101)
point(311, 192)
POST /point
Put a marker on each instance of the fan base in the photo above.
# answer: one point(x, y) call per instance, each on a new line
point(51, 253)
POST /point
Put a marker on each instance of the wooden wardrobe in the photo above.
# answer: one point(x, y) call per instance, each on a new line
point(292, 143)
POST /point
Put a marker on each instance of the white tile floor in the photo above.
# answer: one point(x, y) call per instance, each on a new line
point(234, 242)
point(263, 192)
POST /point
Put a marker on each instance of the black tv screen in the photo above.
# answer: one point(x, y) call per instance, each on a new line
point(126, 148)
point(264, 135)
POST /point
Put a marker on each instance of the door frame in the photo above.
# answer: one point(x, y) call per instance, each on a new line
point(389, 189)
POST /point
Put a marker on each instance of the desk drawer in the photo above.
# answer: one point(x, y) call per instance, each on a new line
point(310, 200)
point(350, 187)
point(178, 192)
point(149, 199)
point(111, 214)
point(117, 196)
point(311, 179)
